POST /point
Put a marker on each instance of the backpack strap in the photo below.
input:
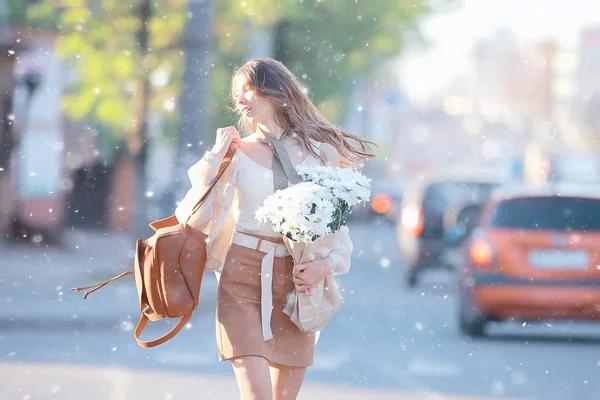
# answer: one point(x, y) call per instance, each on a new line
point(101, 284)
point(151, 343)
point(224, 164)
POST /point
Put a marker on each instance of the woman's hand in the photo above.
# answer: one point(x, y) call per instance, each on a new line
point(307, 276)
point(224, 138)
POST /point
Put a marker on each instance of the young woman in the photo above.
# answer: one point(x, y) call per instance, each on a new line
point(269, 354)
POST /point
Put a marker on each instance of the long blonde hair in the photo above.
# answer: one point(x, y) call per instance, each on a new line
point(295, 113)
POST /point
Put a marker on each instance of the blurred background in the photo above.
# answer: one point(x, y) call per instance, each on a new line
point(475, 105)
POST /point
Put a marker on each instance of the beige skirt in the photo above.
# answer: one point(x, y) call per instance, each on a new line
point(238, 318)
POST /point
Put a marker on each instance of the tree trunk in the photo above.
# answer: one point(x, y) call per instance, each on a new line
point(261, 42)
point(281, 32)
point(6, 133)
point(194, 137)
point(138, 143)
point(7, 143)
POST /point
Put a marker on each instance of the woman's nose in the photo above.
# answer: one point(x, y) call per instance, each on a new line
point(241, 99)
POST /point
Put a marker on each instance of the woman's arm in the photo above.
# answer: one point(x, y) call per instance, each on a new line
point(306, 276)
point(341, 253)
point(201, 176)
point(204, 171)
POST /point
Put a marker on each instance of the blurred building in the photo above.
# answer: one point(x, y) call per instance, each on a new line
point(549, 96)
point(588, 79)
point(54, 165)
point(509, 88)
point(517, 96)
point(61, 172)
point(39, 193)
point(407, 137)
point(565, 90)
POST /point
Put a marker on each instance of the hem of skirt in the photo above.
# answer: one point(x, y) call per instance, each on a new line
point(222, 358)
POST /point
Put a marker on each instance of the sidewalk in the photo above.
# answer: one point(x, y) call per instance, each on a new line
point(36, 282)
point(93, 383)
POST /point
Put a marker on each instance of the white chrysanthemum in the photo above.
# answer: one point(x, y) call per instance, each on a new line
point(306, 211)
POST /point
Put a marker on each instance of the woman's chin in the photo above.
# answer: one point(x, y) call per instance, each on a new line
point(260, 120)
point(252, 120)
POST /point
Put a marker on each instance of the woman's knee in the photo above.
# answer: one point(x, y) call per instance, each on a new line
point(286, 381)
point(253, 377)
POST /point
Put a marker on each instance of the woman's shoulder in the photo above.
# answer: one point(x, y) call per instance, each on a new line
point(248, 143)
point(330, 153)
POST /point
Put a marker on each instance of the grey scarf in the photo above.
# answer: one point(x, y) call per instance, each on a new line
point(283, 169)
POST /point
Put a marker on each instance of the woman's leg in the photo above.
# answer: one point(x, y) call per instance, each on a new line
point(252, 375)
point(286, 381)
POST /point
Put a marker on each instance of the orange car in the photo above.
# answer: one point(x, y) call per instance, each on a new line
point(535, 255)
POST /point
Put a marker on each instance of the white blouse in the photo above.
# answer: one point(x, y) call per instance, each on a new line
point(254, 184)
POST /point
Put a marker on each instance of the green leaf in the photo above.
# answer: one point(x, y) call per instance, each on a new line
point(78, 106)
point(75, 16)
point(115, 113)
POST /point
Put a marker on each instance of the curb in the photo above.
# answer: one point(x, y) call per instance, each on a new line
point(70, 382)
point(118, 309)
point(125, 322)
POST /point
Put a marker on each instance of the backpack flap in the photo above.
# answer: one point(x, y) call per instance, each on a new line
point(178, 268)
point(163, 223)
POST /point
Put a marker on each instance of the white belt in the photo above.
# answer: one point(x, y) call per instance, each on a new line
point(273, 250)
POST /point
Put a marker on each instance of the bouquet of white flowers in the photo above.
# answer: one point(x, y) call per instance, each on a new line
point(346, 188)
point(316, 207)
point(310, 215)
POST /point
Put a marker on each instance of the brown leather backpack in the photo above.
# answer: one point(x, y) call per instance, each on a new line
point(168, 269)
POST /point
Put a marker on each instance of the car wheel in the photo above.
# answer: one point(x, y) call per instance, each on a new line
point(471, 322)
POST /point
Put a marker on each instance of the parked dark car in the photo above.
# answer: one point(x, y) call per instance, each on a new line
point(432, 211)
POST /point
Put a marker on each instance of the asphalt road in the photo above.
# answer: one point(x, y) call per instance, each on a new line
point(386, 336)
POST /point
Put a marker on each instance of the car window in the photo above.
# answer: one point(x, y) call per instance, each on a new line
point(548, 213)
point(439, 196)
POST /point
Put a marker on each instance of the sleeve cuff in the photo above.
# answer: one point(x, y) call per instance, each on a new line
point(336, 259)
point(210, 156)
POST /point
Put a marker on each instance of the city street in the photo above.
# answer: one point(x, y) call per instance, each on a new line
point(387, 341)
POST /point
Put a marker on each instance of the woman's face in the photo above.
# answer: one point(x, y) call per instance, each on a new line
point(256, 109)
